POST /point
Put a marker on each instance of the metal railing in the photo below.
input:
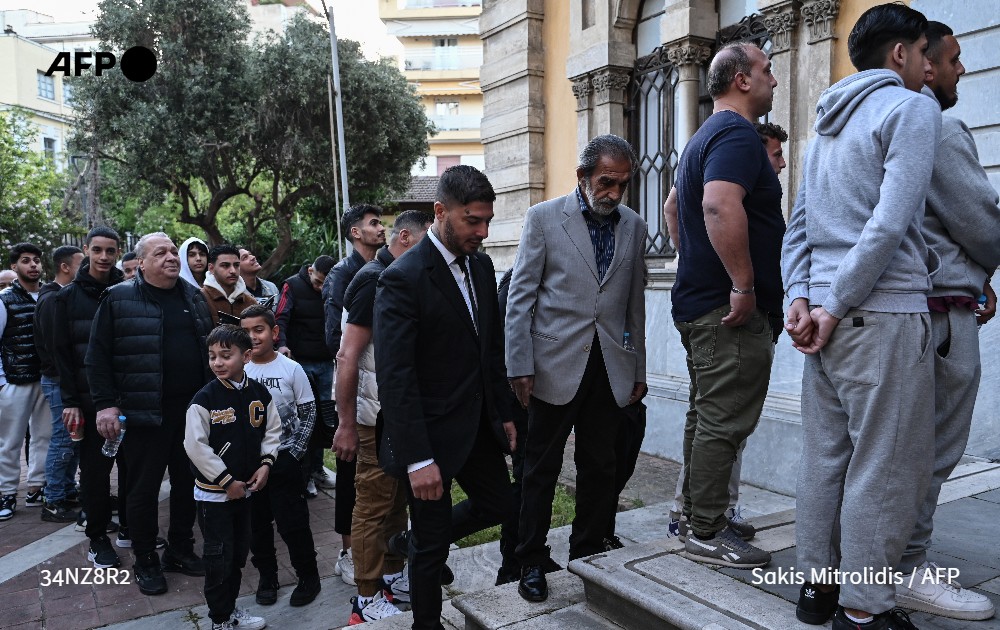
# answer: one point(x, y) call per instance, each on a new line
point(456, 122)
point(444, 58)
point(438, 4)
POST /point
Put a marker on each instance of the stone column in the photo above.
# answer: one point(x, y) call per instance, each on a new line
point(819, 16)
point(513, 116)
point(688, 55)
point(582, 90)
point(781, 18)
point(609, 100)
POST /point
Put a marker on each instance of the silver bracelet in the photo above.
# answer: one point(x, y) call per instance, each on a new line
point(742, 291)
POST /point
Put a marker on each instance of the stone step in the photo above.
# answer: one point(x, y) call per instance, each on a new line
point(652, 586)
point(502, 607)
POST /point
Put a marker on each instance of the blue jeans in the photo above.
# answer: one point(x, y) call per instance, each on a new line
point(321, 373)
point(63, 456)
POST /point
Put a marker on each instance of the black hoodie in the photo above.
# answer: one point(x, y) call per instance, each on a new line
point(73, 313)
point(44, 310)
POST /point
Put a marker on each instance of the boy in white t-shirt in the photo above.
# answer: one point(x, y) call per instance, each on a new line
point(283, 500)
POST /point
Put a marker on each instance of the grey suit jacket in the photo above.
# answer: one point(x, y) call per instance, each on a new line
point(556, 302)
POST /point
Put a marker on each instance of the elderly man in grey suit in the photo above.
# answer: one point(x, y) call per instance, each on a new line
point(576, 347)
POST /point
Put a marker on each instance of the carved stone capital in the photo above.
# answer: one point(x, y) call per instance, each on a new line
point(609, 85)
point(689, 53)
point(582, 90)
point(780, 20)
point(820, 16)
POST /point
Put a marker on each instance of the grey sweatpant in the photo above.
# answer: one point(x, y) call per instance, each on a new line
point(21, 406)
point(867, 415)
point(957, 371)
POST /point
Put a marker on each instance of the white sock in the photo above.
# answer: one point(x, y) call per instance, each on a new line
point(364, 601)
point(867, 619)
point(389, 579)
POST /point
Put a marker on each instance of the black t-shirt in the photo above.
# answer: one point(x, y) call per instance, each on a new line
point(726, 148)
point(359, 301)
point(183, 359)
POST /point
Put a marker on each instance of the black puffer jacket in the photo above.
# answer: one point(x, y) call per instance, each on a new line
point(17, 346)
point(125, 357)
point(74, 310)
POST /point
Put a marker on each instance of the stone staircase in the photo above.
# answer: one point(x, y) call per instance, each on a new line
point(640, 587)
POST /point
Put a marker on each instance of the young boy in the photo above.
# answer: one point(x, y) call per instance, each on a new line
point(283, 502)
point(231, 437)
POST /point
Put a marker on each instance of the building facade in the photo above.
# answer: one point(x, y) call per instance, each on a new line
point(442, 55)
point(556, 74)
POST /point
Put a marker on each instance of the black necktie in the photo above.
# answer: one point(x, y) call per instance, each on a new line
point(468, 287)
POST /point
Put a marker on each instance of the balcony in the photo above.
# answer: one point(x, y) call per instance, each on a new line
point(455, 122)
point(438, 4)
point(444, 58)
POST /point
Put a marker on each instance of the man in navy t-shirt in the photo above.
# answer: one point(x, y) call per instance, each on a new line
point(725, 218)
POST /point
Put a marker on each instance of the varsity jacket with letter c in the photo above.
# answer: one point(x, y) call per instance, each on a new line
point(230, 432)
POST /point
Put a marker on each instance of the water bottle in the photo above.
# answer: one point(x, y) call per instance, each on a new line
point(110, 448)
point(627, 342)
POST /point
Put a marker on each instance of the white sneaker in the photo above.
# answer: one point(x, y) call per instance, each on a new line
point(323, 480)
point(345, 567)
point(928, 592)
point(399, 589)
point(311, 489)
point(243, 620)
point(378, 608)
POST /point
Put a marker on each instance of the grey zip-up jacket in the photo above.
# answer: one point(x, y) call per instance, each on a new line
point(854, 238)
point(962, 223)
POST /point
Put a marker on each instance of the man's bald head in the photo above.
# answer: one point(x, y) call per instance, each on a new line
point(732, 59)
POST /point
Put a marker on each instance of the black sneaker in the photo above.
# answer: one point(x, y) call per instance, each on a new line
point(267, 589)
point(306, 591)
point(149, 575)
point(35, 499)
point(399, 545)
point(59, 512)
point(81, 522)
point(8, 505)
point(186, 562)
point(815, 606)
point(125, 541)
point(895, 619)
point(612, 543)
point(102, 554)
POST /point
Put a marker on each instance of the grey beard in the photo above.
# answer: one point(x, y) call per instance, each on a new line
point(600, 208)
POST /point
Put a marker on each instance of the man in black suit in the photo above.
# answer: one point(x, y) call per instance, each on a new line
point(439, 368)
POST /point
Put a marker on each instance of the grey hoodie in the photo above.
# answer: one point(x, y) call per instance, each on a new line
point(854, 240)
point(962, 223)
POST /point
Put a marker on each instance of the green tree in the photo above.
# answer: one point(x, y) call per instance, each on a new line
point(30, 188)
point(227, 122)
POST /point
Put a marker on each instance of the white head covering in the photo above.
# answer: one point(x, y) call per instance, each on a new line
point(185, 269)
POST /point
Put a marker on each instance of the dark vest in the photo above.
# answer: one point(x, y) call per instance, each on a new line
point(306, 327)
point(21, 364)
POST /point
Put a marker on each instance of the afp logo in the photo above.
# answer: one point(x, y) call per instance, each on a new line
point(138, 63)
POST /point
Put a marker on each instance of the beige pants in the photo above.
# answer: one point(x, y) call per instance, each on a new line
point(379, 512)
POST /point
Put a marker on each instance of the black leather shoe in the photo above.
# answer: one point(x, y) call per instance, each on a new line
point(149, 576)
point(306, 591)
point(399, 545)
point(186, 562)
point(533, 586)
point(267, 589)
